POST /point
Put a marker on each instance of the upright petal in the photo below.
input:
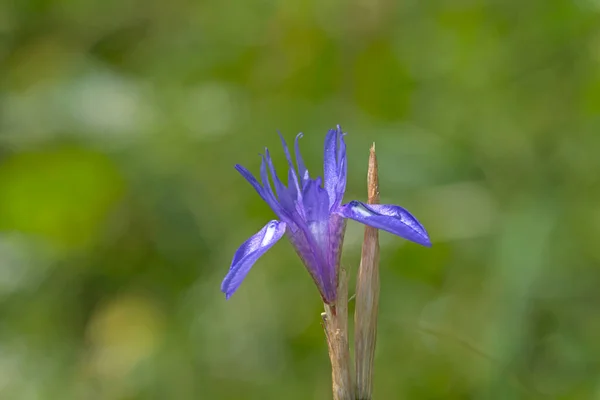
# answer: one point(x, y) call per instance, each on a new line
point(285, 204)
point(387, 217)
point(342, 171)
point(293, 179)
point(279, 187)
point(280, 206)
point(302, 171)
point(316, 201)
point(330, 165)
point(250, 251)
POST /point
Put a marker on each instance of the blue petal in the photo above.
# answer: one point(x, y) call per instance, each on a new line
point(285, 205)
point(255, 184)
point(310, 254)
point(315, 201)
point(250, 251)
point(279, 187)
point(278, 206)
point(342, 170)
point(335, 166)
point(266, 192)
point(390, 218)
point(330, 165)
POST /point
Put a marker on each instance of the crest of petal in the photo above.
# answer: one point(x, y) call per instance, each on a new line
point(390, 218)
point(248, 253)
point(330, 166)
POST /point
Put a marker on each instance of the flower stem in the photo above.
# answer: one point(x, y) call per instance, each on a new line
point(335, 323)
point(367, 295)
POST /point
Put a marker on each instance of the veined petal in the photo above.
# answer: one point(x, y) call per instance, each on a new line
point(316, 201)
point(387, 217)
point(310, 252)
point(250, 251)
point(342, 170)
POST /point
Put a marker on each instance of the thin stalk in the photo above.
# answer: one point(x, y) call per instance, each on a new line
point(335, 323)
point(367, 295)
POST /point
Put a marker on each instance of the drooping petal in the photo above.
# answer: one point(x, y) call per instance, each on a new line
point(302, 171)
point(250, 251)
point(387, 217)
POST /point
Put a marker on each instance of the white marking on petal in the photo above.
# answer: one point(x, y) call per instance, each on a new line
point(319, 230)
point(269, 233)
point(362, 211)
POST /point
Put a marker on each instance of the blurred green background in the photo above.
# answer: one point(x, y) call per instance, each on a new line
point(120, 210)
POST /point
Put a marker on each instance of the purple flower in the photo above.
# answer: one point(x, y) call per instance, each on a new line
point(313, 217)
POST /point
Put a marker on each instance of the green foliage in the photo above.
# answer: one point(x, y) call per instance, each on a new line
point(62, 194)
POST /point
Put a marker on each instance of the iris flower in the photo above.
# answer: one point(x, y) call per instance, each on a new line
point(311, 214)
